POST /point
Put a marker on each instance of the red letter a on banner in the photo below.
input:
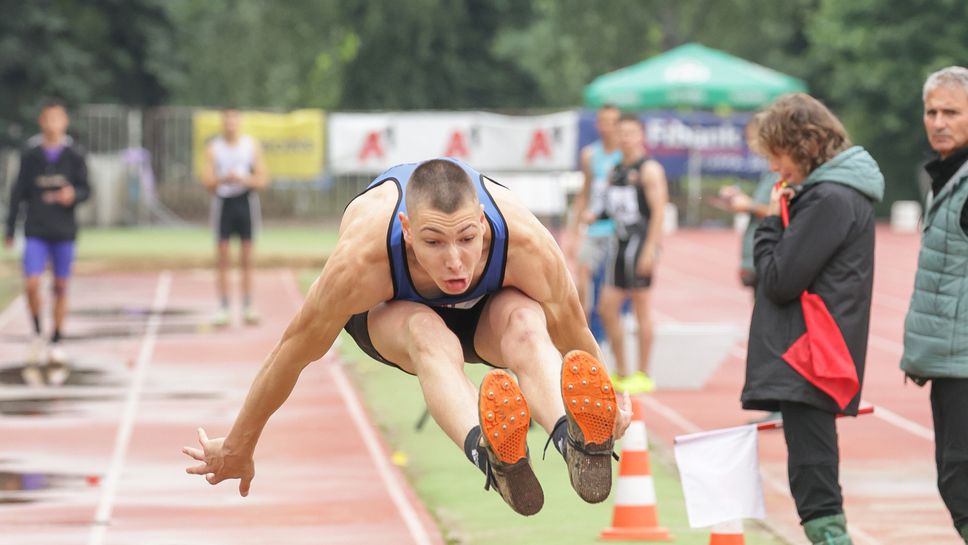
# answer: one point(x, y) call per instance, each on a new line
point(539, 146)
point(456, 147)
point(371, 146)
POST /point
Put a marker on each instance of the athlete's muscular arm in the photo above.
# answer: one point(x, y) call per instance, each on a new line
point(546, 280)
point(19, 193)
point(580, 206)
point(653, 180)
point(537, 267)
point(353, 280)
point(209, 179)
point(259, 178)
point(566, 319)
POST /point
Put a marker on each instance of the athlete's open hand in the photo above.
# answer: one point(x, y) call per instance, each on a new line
point(218, 465)
point(624, 416)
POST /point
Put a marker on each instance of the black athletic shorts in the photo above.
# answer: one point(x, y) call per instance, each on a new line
point(620, 264)
point(238, 216)
point(463, 322)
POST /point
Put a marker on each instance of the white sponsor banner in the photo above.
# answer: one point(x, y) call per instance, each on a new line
point(372, 142)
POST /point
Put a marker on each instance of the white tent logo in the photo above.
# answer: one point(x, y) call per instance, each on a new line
point(687, 72)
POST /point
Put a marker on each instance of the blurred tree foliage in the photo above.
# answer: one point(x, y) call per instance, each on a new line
point(867, 59)
point(96, 51)
point(870, 59)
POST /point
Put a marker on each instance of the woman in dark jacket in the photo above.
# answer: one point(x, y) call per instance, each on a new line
point(827, 250)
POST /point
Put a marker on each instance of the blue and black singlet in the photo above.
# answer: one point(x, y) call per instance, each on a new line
point(491, 279)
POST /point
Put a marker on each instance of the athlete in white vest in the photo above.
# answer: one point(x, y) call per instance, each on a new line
point(234, 172)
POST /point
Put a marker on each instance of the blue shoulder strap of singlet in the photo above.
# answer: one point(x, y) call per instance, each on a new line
point(493, 276)
point(603, 163)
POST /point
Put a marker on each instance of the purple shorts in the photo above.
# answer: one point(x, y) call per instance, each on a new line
point(38, 251)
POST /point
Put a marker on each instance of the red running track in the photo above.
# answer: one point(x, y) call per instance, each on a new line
point(887, 470)
point(97, 460)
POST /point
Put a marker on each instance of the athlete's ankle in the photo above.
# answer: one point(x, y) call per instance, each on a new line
point(559, 435)
point(472, 449)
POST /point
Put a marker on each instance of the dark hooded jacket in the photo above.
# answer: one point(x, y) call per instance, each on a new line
point(49, 221)
point(828, 249)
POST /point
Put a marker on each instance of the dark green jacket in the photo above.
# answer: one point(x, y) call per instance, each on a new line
point(936, 327)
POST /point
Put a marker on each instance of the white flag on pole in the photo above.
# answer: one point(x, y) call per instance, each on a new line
point(720, 475)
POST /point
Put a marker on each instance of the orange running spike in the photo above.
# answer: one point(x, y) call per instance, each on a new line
point(505, 416)
point(589, 396)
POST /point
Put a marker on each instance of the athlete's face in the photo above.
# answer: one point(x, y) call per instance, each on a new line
point(784, 165)
point(231, 121)
point(631, 138)
point(606, 122)
point(946, 118)
point(447, 246)
point(53, 121)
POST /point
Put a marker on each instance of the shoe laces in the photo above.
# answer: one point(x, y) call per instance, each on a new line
point(577, 445)
point(489, 479)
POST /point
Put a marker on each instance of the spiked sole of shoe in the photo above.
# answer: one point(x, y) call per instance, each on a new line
point(589, 396)
point(504, 416)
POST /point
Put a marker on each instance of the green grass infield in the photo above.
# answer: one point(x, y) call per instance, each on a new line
point(453, 490)
point(152, 248)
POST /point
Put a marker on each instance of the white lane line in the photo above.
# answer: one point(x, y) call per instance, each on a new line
point(670, 414)
point(410, 518)
point(895, 419)
point(776, 485)
point(123, 438)
point(17, 303)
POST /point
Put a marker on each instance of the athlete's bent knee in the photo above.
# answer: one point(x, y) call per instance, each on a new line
point(59, 288)
point(32, 284)
point(526, 324)
point(429, 340)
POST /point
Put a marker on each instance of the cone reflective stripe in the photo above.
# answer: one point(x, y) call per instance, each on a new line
point(634, 516)
point(727, 533)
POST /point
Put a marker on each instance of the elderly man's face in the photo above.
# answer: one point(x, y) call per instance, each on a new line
point(946, 118)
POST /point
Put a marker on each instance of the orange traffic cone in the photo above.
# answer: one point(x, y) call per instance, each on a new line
point(727, 533)
point(635, 517)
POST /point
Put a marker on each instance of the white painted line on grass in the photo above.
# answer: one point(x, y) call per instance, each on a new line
point(399, 497)
point(410, 518)
point(109, 487)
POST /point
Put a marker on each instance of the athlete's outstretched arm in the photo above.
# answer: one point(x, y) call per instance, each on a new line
point(340, 291)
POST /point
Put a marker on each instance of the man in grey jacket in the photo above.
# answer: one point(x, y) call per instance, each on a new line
point(936, 327)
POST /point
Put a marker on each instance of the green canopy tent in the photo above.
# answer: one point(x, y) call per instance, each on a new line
point(691, 76)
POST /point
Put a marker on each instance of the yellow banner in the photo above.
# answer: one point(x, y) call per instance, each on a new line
point(293, 143)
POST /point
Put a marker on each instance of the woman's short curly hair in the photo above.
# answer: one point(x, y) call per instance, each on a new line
point(802, 127)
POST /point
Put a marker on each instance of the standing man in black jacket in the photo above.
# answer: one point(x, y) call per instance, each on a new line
point(51, 182)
